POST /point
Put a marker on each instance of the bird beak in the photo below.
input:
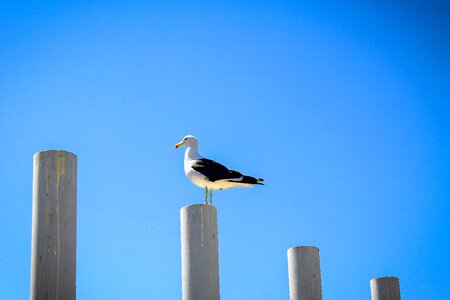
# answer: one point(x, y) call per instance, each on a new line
point(179, 145)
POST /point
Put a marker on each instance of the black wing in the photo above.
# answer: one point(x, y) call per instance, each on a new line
point(214, 171)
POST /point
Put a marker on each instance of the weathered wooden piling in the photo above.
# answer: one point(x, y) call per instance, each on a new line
point(305, 281)
point(385, 288)
point(199, 253)
point(54, 226)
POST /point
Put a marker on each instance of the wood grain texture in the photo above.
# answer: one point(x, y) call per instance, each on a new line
point(199, 253)
point(385, 288)
point(305, 281)
point(54, 217)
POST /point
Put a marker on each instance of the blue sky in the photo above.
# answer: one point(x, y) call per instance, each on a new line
point(342, 107)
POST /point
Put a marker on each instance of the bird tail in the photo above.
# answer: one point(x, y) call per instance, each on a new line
point(252, 180)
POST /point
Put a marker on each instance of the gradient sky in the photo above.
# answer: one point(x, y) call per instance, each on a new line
point(342, 107)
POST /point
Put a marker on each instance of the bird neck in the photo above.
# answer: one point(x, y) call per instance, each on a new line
point(192, 153)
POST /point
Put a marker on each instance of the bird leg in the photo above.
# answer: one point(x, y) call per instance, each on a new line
point(206, 195)
point(210, 197)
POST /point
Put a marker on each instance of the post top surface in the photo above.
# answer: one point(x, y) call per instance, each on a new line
point(303, 247)
point(198, 206)
point(385, 278)
point(54, 151)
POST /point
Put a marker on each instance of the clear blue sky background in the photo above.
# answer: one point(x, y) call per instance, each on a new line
point(342, 107)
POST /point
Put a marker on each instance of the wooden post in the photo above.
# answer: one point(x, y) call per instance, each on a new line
point(385, 288)
point(199, 253)
point(304, 273)
point(54, 226)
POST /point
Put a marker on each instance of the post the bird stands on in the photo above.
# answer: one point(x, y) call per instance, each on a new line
point(199, 252)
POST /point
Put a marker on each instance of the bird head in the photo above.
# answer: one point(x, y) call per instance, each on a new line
point(188, 141)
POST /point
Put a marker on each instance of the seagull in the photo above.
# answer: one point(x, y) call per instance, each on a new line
point(209, 174)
